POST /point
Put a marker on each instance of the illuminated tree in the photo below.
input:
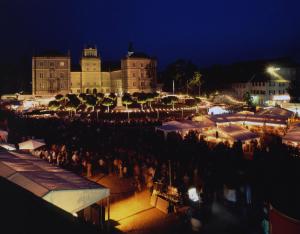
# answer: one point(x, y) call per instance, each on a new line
point(82, 97)
point(170, 100)
point(150, 98)
point(142, 99)
point(248, 99)
point(127, 100)
point(91, 101)
point(107, 102)
point(195, 82)
point(59, 97)
point(54, 105)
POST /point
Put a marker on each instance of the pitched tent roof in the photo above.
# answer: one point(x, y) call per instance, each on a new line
point(184, 126)
point(276, 112)
point(237, 133)
point(62, 188)
point(31, 144)
point(23, 212)
point(293, 135)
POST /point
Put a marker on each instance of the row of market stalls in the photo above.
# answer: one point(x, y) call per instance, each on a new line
point(64, 189)
point(212, 133)
point(243, 126)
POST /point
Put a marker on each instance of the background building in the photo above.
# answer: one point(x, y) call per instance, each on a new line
point(268, 87)
point(51, 74)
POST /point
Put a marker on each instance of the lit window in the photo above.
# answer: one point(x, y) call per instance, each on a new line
point(62, 64)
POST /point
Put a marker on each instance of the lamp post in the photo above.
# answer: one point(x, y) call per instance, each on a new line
point(173, 87)
point(97, 115)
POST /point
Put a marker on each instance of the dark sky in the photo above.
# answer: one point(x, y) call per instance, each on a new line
point(205, 31)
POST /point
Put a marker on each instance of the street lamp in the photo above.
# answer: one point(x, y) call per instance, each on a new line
point(271, 69)
point(97, 115)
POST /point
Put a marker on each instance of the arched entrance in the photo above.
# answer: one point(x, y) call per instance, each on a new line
point(87, 91)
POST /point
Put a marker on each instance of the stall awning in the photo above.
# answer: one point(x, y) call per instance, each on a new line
point(31, 144)
point(62, 188)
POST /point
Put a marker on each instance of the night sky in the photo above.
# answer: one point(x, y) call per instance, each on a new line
point(206, 31)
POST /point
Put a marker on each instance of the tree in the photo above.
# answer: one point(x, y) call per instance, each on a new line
point(170, 100)
point(70, 106)
point(127, 100)
point(59, 97)
point(181, 71)
point(150, 98)
point(112, 96)
point(74, 99)
point(142, 99)
point(54, 105)
point(82, 96)
point(100, 96)
point(107, 102)
point(248, 99)
point(91, 101)
point(195, 82)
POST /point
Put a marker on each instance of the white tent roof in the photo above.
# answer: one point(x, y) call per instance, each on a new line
point(31, 144)
point(293, 134)
point(237, 133)
point(62, 188)
point(184, 126)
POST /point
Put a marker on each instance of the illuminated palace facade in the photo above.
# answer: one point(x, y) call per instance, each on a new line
point(52, 74)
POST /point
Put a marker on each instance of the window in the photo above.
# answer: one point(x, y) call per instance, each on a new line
point(142, 74)
point(41, 64)
point(41, 75)
point(271, 84)
point(133, 64)
point(62, 64)
point(281, 84)
point(272, 92)
point(61, 75)
point(142, 84)
point(133, 84)
point(133, 74)
point(51, 64)
point(142, 65)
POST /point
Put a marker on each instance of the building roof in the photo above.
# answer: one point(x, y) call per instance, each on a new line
point(23, 212)
point(185, 126)
point(293, 134)
point(275, 112)
point(268, 116)
point(237, 133)
point(55, 185)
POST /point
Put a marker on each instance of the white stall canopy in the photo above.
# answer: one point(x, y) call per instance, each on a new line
point(31, 144)
point(62, 188)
